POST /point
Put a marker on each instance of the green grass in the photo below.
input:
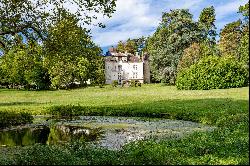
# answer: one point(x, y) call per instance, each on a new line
point(37, 102)
point(228, 109)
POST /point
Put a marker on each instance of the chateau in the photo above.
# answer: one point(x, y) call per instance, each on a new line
point(126, 67)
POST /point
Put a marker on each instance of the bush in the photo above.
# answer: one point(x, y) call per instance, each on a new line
point(115, 83)
point(8, 119)
point(133, 83)
point(124, 82)
point(213, 72)
point(45, 155)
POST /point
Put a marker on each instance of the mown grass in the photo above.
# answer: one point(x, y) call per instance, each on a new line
point(225, 108)
point(37, 102)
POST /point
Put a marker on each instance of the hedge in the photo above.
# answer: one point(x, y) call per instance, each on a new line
point(213, 72)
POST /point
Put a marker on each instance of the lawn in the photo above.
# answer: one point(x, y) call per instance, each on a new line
point(227, 109)
point(162, 97)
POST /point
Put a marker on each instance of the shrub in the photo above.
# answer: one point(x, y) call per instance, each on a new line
point(8, 119)
point(124, 83)
point(190, 56)
point(139, 84)
point(115, 83)
point(133, 83)
point(213, 72)
point(46, 155)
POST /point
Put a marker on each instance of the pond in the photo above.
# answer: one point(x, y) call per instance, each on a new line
point(102, 131)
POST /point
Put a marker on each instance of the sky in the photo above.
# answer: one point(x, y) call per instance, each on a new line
point(136, 18)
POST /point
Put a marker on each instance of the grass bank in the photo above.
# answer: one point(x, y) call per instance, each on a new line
point(225, 108)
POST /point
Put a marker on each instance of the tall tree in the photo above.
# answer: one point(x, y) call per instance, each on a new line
point(207, 25)
point(31, 18)
point(244, 42)
point(70, 53)
point(230, 37)
point(130, 46)
point(175, 33)
point(23, 66)
point(141, 44)
point(120, 47)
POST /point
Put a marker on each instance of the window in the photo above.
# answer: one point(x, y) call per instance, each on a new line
point(135, 67)
point(135, 75)
point(119, 68)
point(119, 76)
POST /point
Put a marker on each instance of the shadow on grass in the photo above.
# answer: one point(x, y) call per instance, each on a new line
point(18, 103)
point(207, 111)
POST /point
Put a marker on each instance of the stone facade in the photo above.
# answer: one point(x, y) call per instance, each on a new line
point(124, 67)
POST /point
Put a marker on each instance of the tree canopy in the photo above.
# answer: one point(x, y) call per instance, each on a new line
point(31, 18)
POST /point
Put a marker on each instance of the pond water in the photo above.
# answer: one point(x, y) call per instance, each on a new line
point(109, 132)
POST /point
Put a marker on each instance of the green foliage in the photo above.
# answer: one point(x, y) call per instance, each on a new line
point(120, 47)
point(191, 55)
point(71, 56)
point(28, 18)
point(230, 37)
point(207, 25)
point(244, 50)
point(124, 82)
point(194, 53)
point(130, 46)
point(8, 119)
point(245, 10)
point(175, 33)
point(213, 73)
point(133, 83)
point(23, 66)
point(115, 83)
point(43, 155)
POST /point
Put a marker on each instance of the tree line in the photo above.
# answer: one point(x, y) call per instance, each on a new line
point(44, 45)
point(185, 52)
point(50, 49)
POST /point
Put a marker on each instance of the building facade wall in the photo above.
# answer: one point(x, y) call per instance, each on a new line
point(122, 70)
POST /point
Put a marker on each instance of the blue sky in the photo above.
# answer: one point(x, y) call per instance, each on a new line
point(136, 18)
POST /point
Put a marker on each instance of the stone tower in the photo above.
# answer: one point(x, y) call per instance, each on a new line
point(146, 69)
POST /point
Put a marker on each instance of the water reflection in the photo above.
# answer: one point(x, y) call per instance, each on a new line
point(48, 135)
point(25, 136)
point(108, 132)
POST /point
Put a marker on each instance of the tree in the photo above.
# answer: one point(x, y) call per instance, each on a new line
point(70, 53)
point(245, 11)
point(120, 47)
point(230, 37)
point(99, 71)
point(141, 44)
point(175, 33)
point(130, 46)
point(194, 53)
point(207, 25)
point(23, 66)
point(244, 42)
point(32, 18)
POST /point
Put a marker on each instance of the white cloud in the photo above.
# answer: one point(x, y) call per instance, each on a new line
point(135, 18)
point(229, 8)
point(131, 19)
